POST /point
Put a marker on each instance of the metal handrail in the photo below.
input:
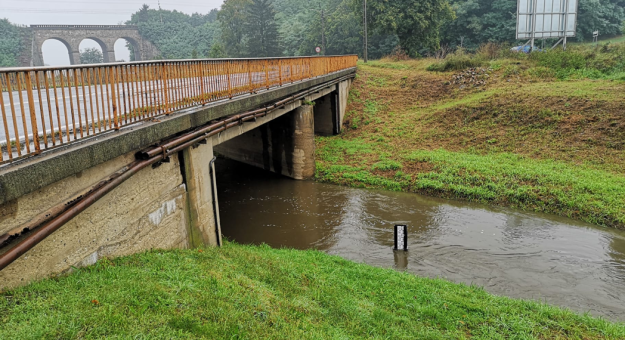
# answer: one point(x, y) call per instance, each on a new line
point(45, 107)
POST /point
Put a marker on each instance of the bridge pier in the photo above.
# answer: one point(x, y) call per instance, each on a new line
point(109, 57)
point(202, 208)
point(284, 145)
point(74, 57)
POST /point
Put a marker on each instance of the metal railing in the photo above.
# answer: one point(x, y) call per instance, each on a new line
point(46, 107)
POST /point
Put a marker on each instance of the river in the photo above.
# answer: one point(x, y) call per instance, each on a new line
point(508, 252)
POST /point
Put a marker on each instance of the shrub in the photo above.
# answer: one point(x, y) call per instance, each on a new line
point(584, 61)
point(398, 54)
point(489, 51)
point(456, 62)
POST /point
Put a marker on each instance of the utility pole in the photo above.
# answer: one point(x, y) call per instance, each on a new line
point(366, 35)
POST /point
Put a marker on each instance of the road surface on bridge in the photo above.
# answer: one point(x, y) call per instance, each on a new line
point(70, 101)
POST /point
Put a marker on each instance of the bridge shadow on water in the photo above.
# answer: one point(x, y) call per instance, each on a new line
point(517, 254)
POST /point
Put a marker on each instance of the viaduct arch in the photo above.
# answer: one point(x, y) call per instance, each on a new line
point(105, 35)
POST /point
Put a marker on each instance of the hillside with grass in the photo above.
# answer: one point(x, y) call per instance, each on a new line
point(247, 292)
point(544, 132)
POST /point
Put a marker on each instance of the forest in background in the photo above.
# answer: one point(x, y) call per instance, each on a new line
point(271, 28)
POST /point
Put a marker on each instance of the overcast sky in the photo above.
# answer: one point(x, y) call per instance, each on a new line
point(88, 12)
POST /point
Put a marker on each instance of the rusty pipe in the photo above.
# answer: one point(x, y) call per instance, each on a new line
point(66, 216)
point(53, 212)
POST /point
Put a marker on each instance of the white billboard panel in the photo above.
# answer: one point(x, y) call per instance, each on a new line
point(543, 19)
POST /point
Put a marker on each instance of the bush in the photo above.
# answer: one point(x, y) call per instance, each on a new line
point(456, 62)
point(584, 62)
point(489, 51)
point(398, 54)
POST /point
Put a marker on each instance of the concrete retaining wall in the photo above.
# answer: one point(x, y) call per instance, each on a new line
point(147, 211)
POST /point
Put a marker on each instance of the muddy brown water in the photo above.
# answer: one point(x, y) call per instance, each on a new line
point(511, 253)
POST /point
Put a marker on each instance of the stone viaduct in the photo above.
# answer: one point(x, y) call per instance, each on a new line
point(105, 35)
point(173, 203)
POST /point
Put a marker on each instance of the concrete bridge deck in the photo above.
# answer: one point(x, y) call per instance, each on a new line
point(173, 202)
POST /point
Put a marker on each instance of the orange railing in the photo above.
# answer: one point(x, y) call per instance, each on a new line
point(46, 107)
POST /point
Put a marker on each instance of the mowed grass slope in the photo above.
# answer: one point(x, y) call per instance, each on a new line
point(507, 133)
point(246, 292)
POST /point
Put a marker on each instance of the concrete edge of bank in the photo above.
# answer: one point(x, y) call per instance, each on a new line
point(25, 177)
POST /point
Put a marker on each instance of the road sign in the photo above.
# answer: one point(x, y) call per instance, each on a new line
point(595, 34)
point(318, 49)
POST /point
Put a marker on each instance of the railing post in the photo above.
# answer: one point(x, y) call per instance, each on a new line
point(164, 80)
point(112, 82)
point(33, 115)
point(267, 73)
point(14, 118)
point(280, 63)
point(229, 83)
point(249, 71)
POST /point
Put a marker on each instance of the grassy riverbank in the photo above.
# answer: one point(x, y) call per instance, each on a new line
point(527, 132)
point(244, 292)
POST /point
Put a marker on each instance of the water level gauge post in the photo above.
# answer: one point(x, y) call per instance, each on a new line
point(401, 237)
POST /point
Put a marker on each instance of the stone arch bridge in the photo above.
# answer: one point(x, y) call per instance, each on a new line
point(105, 35)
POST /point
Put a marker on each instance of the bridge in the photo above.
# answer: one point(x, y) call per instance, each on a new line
point(105, 35)
point(109, 160)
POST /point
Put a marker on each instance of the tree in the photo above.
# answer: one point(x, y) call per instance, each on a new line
point(261, 30)
point(217, 51)
point(144, 14)
point(232, 19)
point(605, 16)
point(91, 55)
point(481, 21)
point(176, 34)
point(10, 44)
point(417, 23)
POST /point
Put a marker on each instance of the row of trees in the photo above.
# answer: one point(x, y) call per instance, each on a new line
point(269, 28)
point(479, 21)
point(10, 44)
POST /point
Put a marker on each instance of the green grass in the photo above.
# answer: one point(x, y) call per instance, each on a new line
point(517, 137)
point(580, 192)
point(245, 292)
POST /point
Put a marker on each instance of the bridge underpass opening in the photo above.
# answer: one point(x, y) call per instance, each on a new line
point(125, 50)
point(55, 53)
point(92, 52)
point(286, 144)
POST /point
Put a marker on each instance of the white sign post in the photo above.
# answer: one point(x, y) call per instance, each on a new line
point(546, 19)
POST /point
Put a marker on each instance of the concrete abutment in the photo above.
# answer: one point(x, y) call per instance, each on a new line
point(285, 145)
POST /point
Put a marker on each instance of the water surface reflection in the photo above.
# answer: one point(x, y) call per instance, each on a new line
point(512, 253)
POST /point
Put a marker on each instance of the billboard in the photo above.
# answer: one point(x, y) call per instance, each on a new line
point(544, 19)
